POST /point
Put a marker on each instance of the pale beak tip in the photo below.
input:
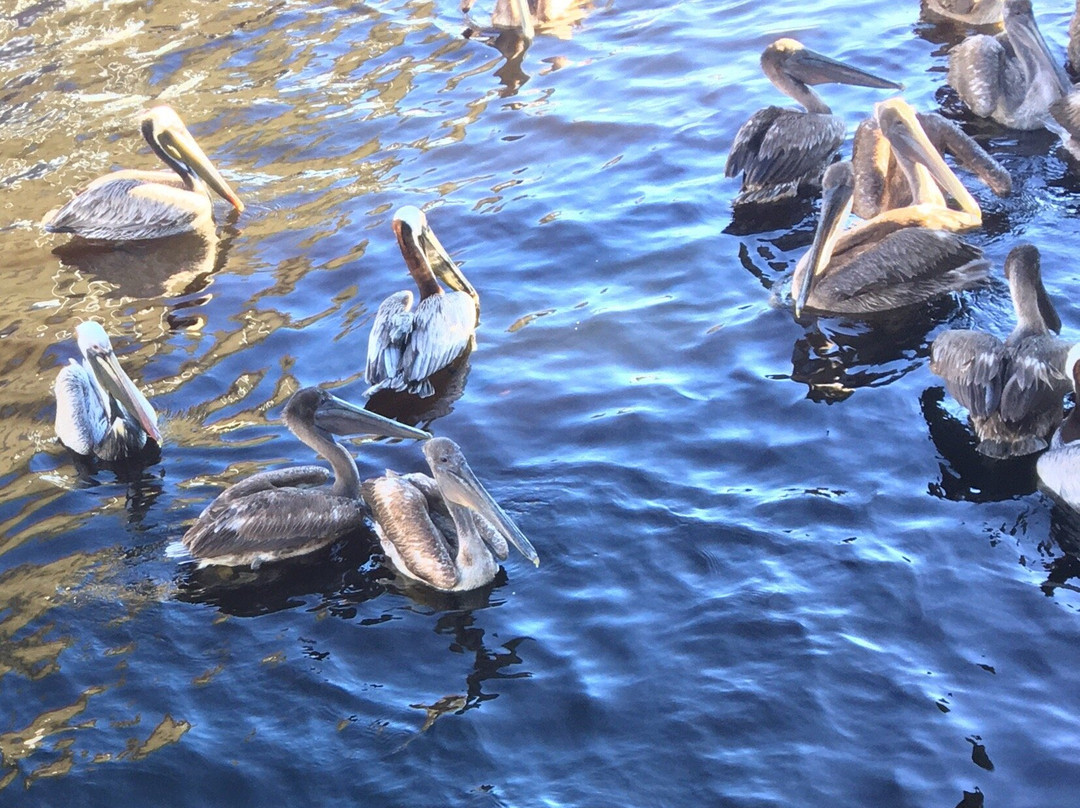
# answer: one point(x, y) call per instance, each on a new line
point(236, 203)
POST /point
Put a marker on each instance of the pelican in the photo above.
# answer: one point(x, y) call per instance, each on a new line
point(132, 205)
point(881, 183)
point(1066, 114)
point(1012, 389)
point(1059, 466)
point(901, 256)
point(1074, 40)
point(972, 12)
point(99, 410)
point(780, 150)
point(1011, 78)
point(407, 346)
point(279, 514)
point(446, 531)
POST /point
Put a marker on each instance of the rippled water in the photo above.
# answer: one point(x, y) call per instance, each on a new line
point(774, 572)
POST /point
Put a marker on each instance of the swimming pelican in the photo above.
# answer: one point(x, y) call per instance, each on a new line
point(972, 12)
point(780, 150)
point(1012, 389)
point(901, 256)
point(280, 514)
point(1011, 78)
point(882, 184)
point(99, 410)
point(446, 532)
point(1059, 466)
point(131, 205)
point(407, 346)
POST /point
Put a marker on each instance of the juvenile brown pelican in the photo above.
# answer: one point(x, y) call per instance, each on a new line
point(280, 514)
point(1059, 466)
point(130, 205)
point(901, 256)
point(972, 12)
point(780, 150)
point(407, 345)
point(1012, 389)
point(446, 532)
point(99, 410)
point(1011, 78)
point(882, 184)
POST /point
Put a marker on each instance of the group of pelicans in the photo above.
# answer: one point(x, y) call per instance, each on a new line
point(443, 530)
point(907, 249)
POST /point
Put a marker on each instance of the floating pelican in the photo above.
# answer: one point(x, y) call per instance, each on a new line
point(446, 532)
point(279, 514)
point(99, 410)
point(972, 12)
point(1012, 389)
point(1059, 466)
point(882, 184)
point(131, 205)
point(407, 346)
point(1011, 78)
point(780, 150)
point(901, 256)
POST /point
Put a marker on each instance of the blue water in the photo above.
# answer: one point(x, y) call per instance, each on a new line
point(773, 569)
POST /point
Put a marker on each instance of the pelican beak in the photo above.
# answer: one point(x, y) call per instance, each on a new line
point(901, 127)
point(111, 376)
point(179, 143)
point(339, 417)
point(440, 261)
point(1028, 43)
point(836, 199)
point(461, 487)
point(812, 67)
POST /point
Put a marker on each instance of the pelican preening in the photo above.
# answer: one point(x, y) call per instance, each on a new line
point(1059, 466)
point(972, 12)
point(132, 205)
point(446, 531)
point(778, 151)
point(407, 346)
point(1011, 78)
point(279, 514)
point(99, 410)
point(1013, 389)
point(902, 256)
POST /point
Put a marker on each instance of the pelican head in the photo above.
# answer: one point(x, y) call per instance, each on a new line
point(459, 485)
point(111, 380)
point(423, 252)
point(837, 197)
point(173, 143)
point(1032, 304)
point(791, 57)
point(331, 415)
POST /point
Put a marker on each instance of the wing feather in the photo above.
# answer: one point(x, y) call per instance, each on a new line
point(389, 335)
point(976, 69)
point(129, 208)
point(442, 329)
point(973, 365)
point(1037, 382)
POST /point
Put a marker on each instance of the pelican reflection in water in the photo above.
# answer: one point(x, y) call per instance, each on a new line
point(281, 513)
point(1011, 78)
point(778, 151)
point(972, 12)
point(131, 205)
point(901, 256)
point(1059, 466)
point(99, 410)
point(1013, 390)
point(407, 346)
point(445, 531)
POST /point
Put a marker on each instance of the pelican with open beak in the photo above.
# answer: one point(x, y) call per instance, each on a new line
point(99, 410)
point(133, 205)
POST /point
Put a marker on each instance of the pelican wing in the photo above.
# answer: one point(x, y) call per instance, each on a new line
point(976, 69)
point(748, 139)
point(442, 328)
point(973, 365)
point(1066, 110)
point(81, 420)
point(291, 477)
point(1037, 381)
point(795, 146)
point(279, 521)
point(130, 208)
point(408, 535)
point(1057, 470)
point(389, 335)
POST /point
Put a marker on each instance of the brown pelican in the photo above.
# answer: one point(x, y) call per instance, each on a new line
point(901, 256)
point(882, 184)
point(407, 345)
point(1012, 389)
point(446, 532)
point(780, 150)
point(131, 205)
point(99, 410)
point(972, 12)
point(279, 514)
point(1066, 113)
point(1059, 466)
point(1011, 78)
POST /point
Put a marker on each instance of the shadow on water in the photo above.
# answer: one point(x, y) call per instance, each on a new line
point(449, 384)
point(748, 220)
point(967, 475)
